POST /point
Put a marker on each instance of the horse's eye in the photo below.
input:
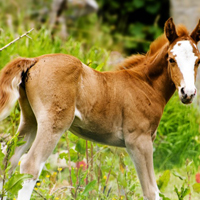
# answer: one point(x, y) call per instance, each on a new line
point(171, 60)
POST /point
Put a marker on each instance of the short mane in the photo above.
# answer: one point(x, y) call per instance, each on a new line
point(155, 46)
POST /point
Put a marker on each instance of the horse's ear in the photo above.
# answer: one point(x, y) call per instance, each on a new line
point(195, 35)
point(170, 30)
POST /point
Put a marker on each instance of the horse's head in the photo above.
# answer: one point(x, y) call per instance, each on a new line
point(183, 60)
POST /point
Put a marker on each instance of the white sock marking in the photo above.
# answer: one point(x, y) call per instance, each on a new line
point(26, 191)
point(28, 186)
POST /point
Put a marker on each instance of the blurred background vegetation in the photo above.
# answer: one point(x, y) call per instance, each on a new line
point(101, 39)
point(127, 26)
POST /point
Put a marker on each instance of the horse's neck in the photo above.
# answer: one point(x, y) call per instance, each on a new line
point(159, 76)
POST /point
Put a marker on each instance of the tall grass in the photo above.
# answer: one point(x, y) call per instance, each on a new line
point(177, 140)
point(178, 136)
point(42, 43)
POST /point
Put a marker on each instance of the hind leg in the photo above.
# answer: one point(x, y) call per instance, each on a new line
point(27, 128)
point(27, 132)
point(48, 134)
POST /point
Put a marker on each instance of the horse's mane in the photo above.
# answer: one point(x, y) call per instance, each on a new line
point(155, 46)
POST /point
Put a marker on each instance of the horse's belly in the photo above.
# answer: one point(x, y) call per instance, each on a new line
point(90, 132)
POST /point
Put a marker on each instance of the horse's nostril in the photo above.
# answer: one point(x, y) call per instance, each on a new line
point(184, 95)
point(182, 91)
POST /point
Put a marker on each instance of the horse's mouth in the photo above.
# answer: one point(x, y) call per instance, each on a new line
point(187, 100)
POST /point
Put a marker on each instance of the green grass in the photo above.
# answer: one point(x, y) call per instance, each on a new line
point(41, 43)
point(178, 136)
point(177, 140)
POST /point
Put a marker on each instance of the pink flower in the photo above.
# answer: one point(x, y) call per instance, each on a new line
point(81, 164)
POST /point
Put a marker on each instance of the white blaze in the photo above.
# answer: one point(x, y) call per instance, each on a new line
point(185, 59)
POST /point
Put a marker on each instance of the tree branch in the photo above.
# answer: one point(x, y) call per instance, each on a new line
point(25, 34)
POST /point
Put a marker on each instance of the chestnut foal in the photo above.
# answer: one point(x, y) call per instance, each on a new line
point(122, 108)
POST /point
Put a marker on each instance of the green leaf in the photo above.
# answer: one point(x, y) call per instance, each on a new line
point(73, 156)
point(138, 3)
point(63, 155)
point(73, 176)
point(163, 197)
point(185, 192)
point(14, 184)
point(100, 66)
point(153, 8)
point(21, 142)
point(178, 175)
point(1, 160)
point(80, 146)
point(90, 186)
point(163, 180)
point(196, 187)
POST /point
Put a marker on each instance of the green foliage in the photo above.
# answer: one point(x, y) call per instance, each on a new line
point(14, 183)
point(182, 193)
point(110, 173)
point(89, 187)
point(42, 43)
point(163, 180)
point(178, 135)
point(196, 187)
point(134, 22)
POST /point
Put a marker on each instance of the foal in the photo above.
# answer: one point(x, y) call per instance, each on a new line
point(122, 108)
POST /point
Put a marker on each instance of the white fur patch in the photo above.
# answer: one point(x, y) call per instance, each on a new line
point(41, 167)
point(28, 186)
point(157, 196)
point(185, 57)
point(78, 114)
point(26, 191)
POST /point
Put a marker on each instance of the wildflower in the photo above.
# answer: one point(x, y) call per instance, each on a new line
point(47, 175)
point(81, 164)
point(54, 173)
point(35, 188)
point(197, 176)
point(56, 198)
point(38, 183)
point(121, 198)
point(19, 163)
point(105, 177)
point(59, 169)
point(14, 199)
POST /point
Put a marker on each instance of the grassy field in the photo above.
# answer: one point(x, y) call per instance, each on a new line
point(110, 173)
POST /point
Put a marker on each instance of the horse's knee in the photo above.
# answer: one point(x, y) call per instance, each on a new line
point(30, 166)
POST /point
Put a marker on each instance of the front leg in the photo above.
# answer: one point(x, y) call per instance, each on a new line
point(140, 149)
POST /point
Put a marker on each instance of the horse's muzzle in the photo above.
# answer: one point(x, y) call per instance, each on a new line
point(187, 96)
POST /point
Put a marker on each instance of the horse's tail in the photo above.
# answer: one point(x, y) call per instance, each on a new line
point(10, 79)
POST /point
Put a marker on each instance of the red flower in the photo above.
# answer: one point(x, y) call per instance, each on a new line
point(197, 177)
point(81, 164)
